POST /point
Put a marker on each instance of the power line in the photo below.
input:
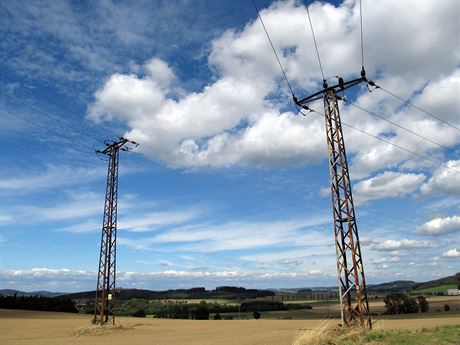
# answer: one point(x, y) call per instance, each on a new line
point(391, 143)
point(382, 220)
point(50, 51)
point(362, 40)
point(159, 150)
point(74, 112)
point(386, 216)
point(314, 40)
point(60, 105)
point(189, 160)
point(51, 116)
point(273, 48)
point(400, 126)
point(417, 107)
point(44, 127)
point(309, 205)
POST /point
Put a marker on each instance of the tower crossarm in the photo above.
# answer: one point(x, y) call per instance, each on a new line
point(340, 86)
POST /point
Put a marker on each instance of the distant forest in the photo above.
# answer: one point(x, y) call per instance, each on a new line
point(222, 292)
point(38, 303)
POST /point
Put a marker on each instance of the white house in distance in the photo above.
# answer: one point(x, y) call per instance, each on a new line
point(453, 292)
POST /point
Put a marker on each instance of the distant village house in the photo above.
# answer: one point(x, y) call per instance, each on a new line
point(453, 292)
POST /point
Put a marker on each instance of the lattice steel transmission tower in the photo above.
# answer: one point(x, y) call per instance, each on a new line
point(350, 268)
point(104, 308)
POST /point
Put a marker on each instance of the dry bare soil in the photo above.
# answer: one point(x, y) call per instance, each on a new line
point(47, 328)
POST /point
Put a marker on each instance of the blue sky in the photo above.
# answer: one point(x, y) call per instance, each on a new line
point(229, 184)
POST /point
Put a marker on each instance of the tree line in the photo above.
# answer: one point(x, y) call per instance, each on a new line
point(400, 303)
point(221, 292)
point(198, 311)
point(39, 303)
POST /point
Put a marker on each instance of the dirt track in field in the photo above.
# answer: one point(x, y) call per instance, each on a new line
point(28, 327)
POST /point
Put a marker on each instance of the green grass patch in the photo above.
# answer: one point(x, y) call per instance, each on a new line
point(443, 335)
point(436, 289)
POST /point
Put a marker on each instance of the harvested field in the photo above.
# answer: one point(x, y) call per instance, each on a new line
point(47, 328)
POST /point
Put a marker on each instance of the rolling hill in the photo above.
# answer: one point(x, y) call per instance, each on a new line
point(10, 292)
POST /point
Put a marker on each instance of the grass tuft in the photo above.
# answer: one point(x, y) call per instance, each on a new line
point(323, 334)
point(316, 336)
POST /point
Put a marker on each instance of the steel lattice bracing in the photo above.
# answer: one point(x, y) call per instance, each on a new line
point(104, 311)
point(350, 269)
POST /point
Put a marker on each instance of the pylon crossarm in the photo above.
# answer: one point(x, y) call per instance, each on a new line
point(340, 86)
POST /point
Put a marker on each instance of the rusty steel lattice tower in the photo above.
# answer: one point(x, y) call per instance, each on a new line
point(104, 308)
point(350, 268)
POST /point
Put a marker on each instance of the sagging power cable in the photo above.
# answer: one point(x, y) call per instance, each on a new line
point(400, 126)
point(388, 142)
point(273, 48)
point(314, 41)
point(55, 118)
point(379, 87)
point(57, 134)
point(35, 92)
point(362, 39)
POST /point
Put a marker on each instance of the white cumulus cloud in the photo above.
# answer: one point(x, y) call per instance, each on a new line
point(391, 245)
point(237, 118)
point(444, 181)
point(440, 226)
point(452, 253)
point(387, 185)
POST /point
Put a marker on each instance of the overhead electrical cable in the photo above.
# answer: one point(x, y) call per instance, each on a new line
point(309, 205)
point(417, 107)
point(362, 40)
point(173, 154)
point(401, 127)
point(56, 133)
point(56, 118)
point(314, 40)
point(60, 105)
point(273, 48)
point(390, 143)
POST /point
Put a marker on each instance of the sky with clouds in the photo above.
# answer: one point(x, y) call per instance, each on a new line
point(230, 184)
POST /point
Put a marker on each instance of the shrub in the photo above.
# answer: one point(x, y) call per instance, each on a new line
point(423, 304)
point(256, 315)
point(139, 313)
point(446, 307)
point(217, 317)
point(262, 306)
point(399, 303)
point(202, 313)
